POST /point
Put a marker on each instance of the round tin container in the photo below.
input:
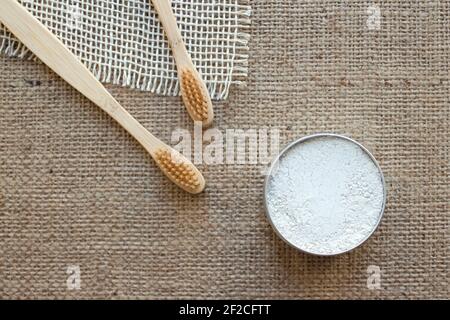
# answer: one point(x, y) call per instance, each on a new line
point(302, 140)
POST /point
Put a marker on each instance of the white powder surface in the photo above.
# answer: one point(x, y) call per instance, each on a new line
point(326, 195)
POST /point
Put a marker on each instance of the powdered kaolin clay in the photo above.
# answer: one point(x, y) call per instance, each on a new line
point(326, 195)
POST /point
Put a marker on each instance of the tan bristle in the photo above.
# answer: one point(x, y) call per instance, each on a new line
point(193, 96)
point(180, 172)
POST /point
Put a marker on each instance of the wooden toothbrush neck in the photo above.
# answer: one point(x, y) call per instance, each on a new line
point(171, 30)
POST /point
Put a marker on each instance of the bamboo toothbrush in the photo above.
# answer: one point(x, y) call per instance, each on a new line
point(52, 52)
point(193, 89)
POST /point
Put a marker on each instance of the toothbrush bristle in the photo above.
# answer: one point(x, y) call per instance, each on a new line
point(181, 172)
point(194, 96)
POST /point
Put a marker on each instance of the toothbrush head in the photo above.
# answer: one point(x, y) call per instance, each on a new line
point(196, 97)
point(180, 170)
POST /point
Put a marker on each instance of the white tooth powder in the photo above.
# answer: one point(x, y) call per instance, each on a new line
point(325, 195)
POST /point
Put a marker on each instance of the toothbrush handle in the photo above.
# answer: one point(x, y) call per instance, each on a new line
point(34, 35)
point(169, 23)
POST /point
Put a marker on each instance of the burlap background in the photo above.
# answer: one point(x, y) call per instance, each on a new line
point(75, 189)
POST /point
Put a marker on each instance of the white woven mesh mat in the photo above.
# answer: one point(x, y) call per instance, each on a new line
point(122, 41)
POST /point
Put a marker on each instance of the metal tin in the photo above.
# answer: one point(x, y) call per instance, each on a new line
point(301, 140)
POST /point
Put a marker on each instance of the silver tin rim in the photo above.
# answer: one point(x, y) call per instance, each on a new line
point(301, 140)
